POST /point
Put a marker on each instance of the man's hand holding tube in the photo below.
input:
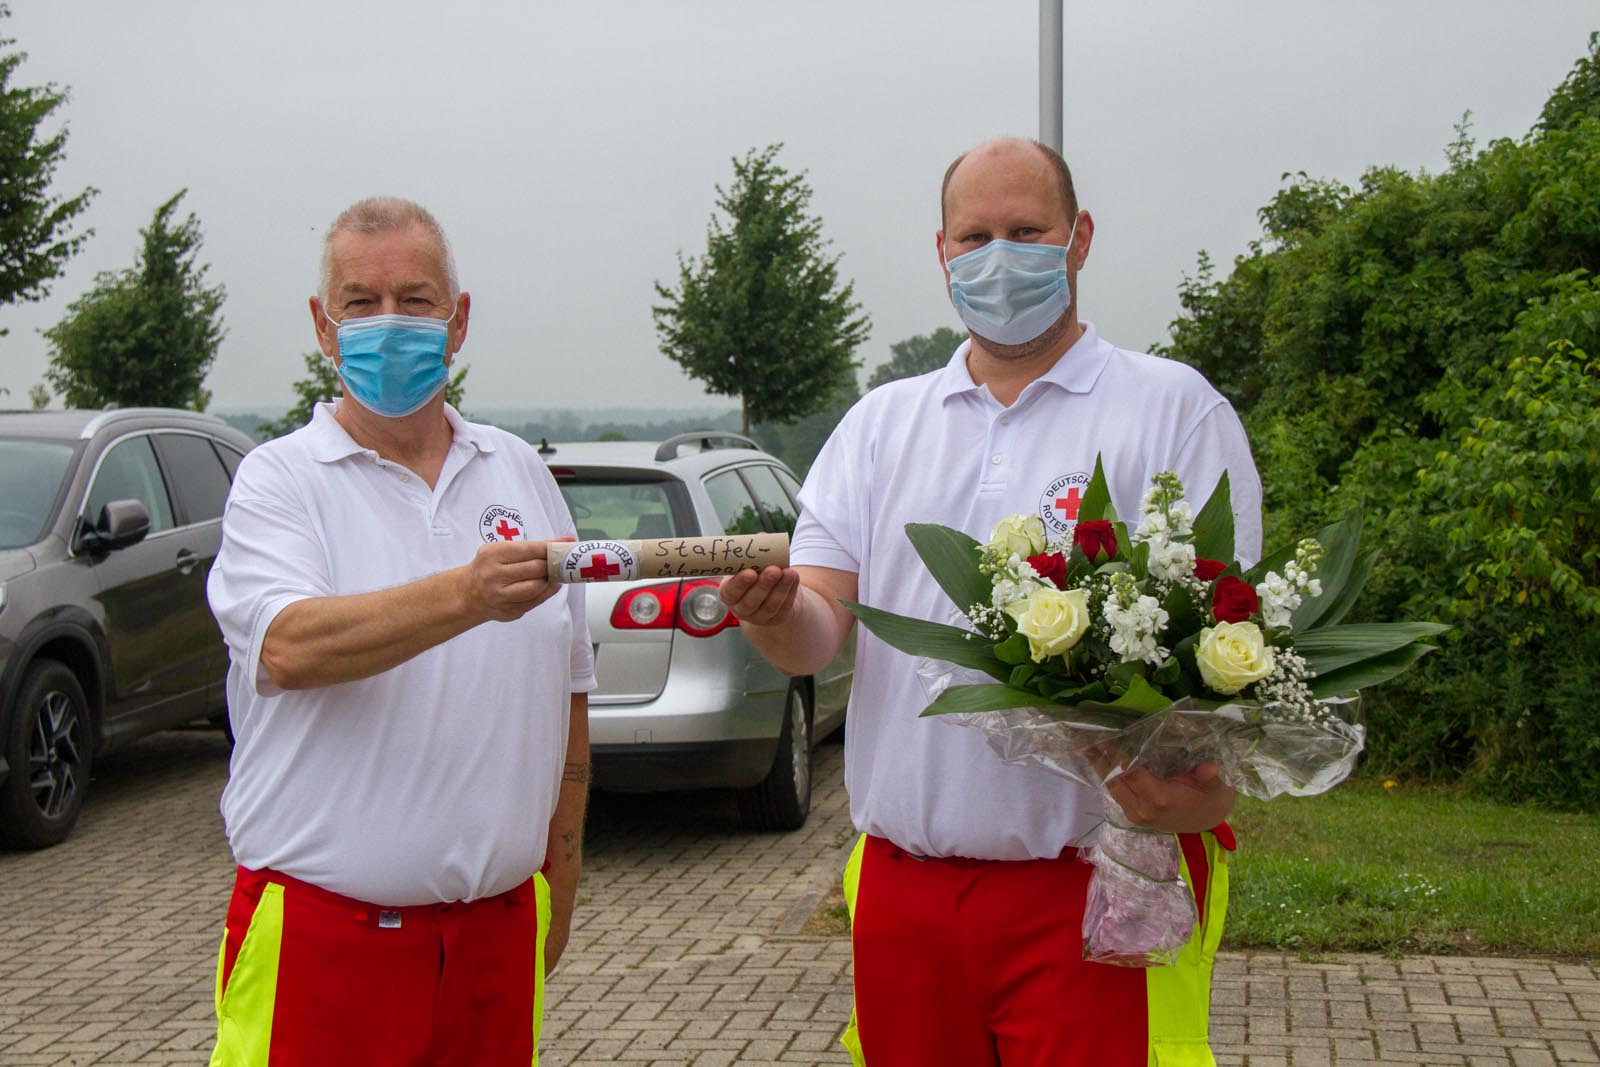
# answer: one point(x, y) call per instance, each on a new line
point(792, 615)
point(326, 640)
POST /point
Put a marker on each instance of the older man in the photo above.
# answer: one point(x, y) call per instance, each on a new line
point(408, 697)
point(967, 899)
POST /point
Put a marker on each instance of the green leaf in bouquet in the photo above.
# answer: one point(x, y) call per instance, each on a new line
point(1021, 675)
point(1183, 614)
point(1168, 673)
point(1096, 505)
point(1119, 676)
point(962, 699)
point(1068, 692)
point(1329, 648)
point(1014, 650)
point(918, 637)
point(1340, 603)
point(1371, 671)
point(1139, 560)
point(952, 558)
point(1340, 543)
point(1213, 527)
point(1140, 699)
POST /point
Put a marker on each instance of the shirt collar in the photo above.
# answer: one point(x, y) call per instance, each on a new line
point(331, 442)
point(1076, 371)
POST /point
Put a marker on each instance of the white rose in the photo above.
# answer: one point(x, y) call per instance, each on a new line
point(1231, 655)
point(1018, 535)
point(1052, 620)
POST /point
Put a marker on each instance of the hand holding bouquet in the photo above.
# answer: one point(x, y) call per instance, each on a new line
point(1152, 648)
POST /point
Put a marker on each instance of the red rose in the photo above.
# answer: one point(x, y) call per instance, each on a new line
point(1096, 537)
point(1233, 600)
point(1052, 567)
point(1207, 569)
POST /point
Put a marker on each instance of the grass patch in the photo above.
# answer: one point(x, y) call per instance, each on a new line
point(1402, 870)
point(831, 918)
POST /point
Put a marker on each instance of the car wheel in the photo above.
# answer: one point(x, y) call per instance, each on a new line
point(783, 799)
point(50, 750)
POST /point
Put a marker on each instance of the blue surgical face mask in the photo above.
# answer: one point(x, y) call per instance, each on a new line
point(1009, 292)
point(394, 364)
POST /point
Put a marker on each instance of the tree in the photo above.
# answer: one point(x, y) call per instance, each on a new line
point(36, 238)
point(321, 384)
point(798, 443)
point(916, 355)
point(762, 315)
point(146, 335)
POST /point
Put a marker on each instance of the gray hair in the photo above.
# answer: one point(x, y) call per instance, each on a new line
point(386, 214)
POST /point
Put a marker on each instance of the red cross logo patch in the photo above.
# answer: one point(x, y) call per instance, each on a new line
point(500, 523)
point(599, 561)
point(1059, 504)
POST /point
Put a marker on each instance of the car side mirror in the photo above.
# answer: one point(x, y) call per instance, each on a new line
point(121, 523)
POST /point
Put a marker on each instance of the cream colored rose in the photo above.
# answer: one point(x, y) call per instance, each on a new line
point(1052, 620)
point(1018, 535)
point(1231, 655)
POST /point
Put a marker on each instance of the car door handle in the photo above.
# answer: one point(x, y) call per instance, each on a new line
point(186, 561)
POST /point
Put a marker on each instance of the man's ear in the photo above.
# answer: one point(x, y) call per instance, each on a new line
point(458, 324)
point(327, 332)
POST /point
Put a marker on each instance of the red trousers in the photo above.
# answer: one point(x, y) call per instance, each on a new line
point(309, 977)
point(976, 963)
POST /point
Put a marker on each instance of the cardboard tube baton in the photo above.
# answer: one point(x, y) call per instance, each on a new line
point(665, 557)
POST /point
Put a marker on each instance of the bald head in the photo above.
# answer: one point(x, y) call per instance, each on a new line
point(380, 215)
point(1012, 146)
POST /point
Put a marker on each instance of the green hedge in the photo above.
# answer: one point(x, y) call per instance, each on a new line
point(1417, 348)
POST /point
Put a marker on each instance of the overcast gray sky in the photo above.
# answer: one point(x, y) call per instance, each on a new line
point(572, 149)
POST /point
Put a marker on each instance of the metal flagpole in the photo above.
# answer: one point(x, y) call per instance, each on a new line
point(1050, 79)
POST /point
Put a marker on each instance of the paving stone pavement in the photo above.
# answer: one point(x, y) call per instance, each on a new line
point(685, 951)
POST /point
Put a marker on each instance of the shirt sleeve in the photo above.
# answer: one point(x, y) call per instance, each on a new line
point(830, 531)
point(270, 557)
point(1217, 443)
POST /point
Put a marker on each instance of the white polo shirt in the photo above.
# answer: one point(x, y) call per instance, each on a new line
point(433, 781)
point(938, 448)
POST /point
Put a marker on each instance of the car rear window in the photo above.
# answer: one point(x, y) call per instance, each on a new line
point(624, 509)
point(30, 481)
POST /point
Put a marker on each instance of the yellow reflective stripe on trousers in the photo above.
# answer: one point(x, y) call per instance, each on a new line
point(852, 882)
point(244, 1008)
point(541, 892)
point(1179, 997)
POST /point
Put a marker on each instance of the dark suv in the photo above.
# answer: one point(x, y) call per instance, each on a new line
point(109, 521)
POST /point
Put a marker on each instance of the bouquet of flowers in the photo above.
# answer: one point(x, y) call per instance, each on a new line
point(1152, 648)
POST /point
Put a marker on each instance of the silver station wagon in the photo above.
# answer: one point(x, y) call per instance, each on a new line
point(684, 701)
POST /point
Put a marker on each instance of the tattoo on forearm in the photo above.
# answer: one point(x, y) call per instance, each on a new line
point(571, 839)
point(579, 773)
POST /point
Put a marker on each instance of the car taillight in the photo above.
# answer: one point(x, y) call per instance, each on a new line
point(701, 611)
point(691, 605)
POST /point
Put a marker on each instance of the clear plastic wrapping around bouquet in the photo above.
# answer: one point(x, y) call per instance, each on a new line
point(1256, 754)
point(1138, 911)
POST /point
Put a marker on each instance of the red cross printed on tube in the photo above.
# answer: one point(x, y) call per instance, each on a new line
point(506, 531)
point(1069, 503)
point(599, 569)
